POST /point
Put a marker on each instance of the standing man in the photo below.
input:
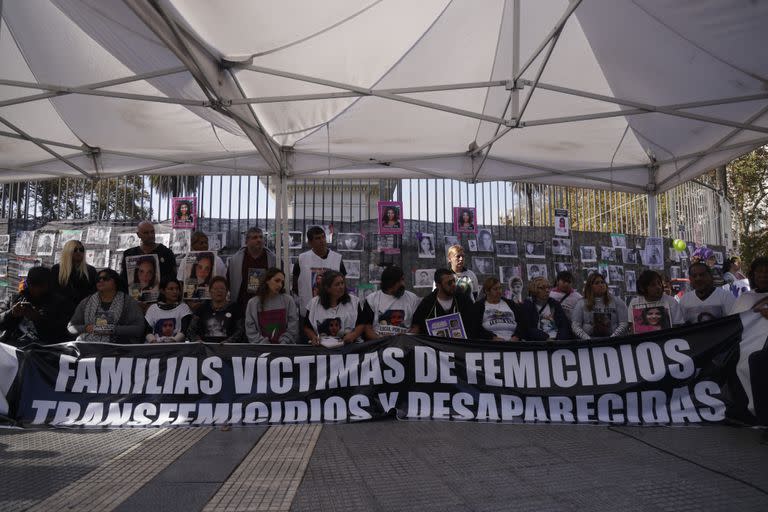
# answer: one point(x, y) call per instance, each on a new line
point(563, 292)
point(146, 233)
point(247, 268)
point(308, 271)
point(444, 300)
point(705, 302)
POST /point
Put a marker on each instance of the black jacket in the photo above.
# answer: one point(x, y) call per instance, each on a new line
point(77, 288)
point(530, 312)
point(48, 327)
point(430, 308)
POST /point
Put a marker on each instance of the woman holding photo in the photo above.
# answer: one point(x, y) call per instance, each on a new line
point(169, 318)
point(598, 314)
point(334, 312)
point(271, 315)
point(650, 289)
point(217, 320)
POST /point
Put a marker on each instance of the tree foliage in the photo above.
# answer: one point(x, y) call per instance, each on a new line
point(748, 193)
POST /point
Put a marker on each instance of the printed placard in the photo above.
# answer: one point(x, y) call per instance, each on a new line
point(184, 212)
point(143, 273)
point(424, 278)
point(464, 219)
point(199, 269)
point(485, 240)
point(561, 246)
point(426, 245)
point(256, 275)
point(45, 243)
point(506, 249)
point(651, 318)
point(348, 242)
point(446, 326)
point(127, 240)
point(65, 235)
point(98, 235)
point(390, 217)
point(562, 223)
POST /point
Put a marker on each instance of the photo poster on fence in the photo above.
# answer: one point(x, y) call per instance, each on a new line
point(184, 212)
point(562, 223)
point(446, 326)
point(390, 217)
point(691, 375)
point(464, 219)
point(654, 253)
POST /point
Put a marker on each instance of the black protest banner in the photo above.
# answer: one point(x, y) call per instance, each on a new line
point(687, 375)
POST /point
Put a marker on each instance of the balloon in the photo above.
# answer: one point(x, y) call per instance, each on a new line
point(679, 245)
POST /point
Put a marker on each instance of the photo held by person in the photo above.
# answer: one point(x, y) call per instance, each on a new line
point(217, 320)
point(271, 315)
point(36, 314)
point(247, 268)
point(564, 293)
point(311, 265)
point(444, 300)
point(706, 301)
point(146, 233)
point(599, 314)
point(664, 310)
point(544, 316)
point(110, 315)
point(756, 299)
point(72, 276)
point(168, 320)
point(494, 317)
point(466, 280)
point(390, 310)
point(333, 316)
point(199, 242)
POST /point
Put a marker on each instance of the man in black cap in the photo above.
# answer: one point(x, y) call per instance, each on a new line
point(37, 314)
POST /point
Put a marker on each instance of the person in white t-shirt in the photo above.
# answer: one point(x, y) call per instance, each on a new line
point(705, 302)
point(169, 318)
point(333, 313)
point(757, 299)
point(650, 286)
point(494, 317)
point(311, 265)
point(467, 283)
point(389, 311)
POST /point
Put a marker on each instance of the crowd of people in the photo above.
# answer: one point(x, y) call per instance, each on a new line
point(251, 300)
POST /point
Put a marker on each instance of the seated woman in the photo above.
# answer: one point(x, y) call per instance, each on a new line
point(757, 298)
point(169, 318)
point(271, 315)
point(73, 277)
point(333, 313)
point(545, 317)
point(110, 315)
point(217, 320)
point(652, 309)
point(496, 318)
point(598, 314)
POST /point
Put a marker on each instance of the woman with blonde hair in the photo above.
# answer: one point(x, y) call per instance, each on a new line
point(466, 280)
point(599, 314)
point(73, 277)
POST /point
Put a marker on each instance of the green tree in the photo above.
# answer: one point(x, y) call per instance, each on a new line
point(747, 179)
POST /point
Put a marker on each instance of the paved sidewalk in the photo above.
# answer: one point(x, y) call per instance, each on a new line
point(386, 465)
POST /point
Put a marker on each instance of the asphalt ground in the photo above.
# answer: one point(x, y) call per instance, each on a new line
point(386, 465)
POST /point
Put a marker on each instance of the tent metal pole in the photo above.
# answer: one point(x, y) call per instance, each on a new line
point(43, 146)
point(653, 226)
point(378, 94)
point(98, 85)
point(552, 33)
point(717, 146)
point(95, 92)
point(41, 141)
point(646, 107)
point(208, 162)
point(353, 94)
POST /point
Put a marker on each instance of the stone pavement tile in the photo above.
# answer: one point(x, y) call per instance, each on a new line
point(35, 464)
point(470, 466)
point(170, 496)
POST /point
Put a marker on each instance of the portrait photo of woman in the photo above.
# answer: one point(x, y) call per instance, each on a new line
point(427, 246)
point(184, 214)
point(390, 219)
point(654, 318)
point(464, 220)
point(143, 277)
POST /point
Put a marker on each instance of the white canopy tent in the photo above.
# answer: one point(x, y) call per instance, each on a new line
point(635, 96)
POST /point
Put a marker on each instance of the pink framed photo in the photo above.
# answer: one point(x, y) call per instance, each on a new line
point(390, 217)
point(184, 212)
point(464, 219)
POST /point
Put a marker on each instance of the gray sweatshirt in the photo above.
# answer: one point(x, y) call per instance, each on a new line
point(272, 308)
point(603, 321)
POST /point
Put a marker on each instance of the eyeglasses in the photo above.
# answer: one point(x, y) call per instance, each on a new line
point(104, 278)
point(78, 249)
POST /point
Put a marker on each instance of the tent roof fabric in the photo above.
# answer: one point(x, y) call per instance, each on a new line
point(632, 95)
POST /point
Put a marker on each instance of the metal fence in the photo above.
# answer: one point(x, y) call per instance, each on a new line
point(694, 211)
